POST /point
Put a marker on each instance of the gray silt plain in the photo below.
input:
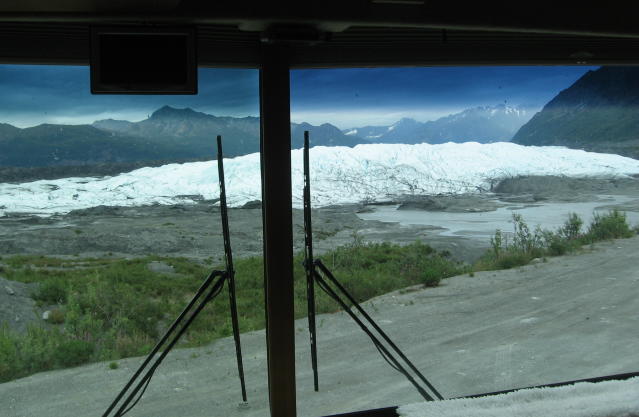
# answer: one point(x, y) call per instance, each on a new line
point(568, 318)
point(194, 231)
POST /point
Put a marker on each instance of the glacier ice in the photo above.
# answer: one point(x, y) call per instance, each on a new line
point(340, 175)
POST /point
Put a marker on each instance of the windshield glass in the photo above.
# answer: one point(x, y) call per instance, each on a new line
point(485, 219)
point(110, 221)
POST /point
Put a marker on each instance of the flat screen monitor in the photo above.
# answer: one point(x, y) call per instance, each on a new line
point(131, 60)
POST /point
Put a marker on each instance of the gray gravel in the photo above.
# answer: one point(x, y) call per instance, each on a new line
point(194, 231)
point(17, 308)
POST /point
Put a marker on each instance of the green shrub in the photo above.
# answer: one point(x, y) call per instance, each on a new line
point(612, 225)
point(572, 227)
point(558, 246)
point(528, 245)
point(104, 306)
point(39, 349)
point(558, 243)
point(497, 242)
point(372, 269)
point(523, 239)
point(72, 352)
point(24, 354)
point(513, 259)
point(56, 316)
point(51, 291)
point(8, 355)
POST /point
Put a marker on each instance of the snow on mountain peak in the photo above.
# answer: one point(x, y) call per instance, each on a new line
point(404, 122)
point(496, 110)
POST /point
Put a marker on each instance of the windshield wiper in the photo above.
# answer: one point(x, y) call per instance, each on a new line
point(315, 273)
point(210, 288)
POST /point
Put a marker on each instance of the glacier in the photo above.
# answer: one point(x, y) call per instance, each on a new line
point(339, 175)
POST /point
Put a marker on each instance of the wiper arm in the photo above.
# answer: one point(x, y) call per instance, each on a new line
point(311, 267)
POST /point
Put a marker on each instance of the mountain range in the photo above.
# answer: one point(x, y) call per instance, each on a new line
point(178, 135)
point(168, 135)
point(194, 130)
point(479, 124)
point(599, 112)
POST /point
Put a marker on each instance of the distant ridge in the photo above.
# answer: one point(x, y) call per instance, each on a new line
point(241, 134)
point(168, 135)
point(483, 124)
point(599, 112)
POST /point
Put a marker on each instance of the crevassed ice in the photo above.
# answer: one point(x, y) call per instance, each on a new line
point(340, 175)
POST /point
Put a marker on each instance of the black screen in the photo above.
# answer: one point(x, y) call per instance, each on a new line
point(143, 63)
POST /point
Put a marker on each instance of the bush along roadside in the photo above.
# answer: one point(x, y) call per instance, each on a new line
point(525, 244)
point(108, 309)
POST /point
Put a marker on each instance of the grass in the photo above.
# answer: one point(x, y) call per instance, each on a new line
point(115, 308)
point(526, 244)
point(112, 308)
point(369, 270)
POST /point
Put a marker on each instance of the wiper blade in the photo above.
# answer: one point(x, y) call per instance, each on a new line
point(343, 298)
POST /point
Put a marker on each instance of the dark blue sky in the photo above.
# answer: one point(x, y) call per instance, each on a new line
point(344, 97)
